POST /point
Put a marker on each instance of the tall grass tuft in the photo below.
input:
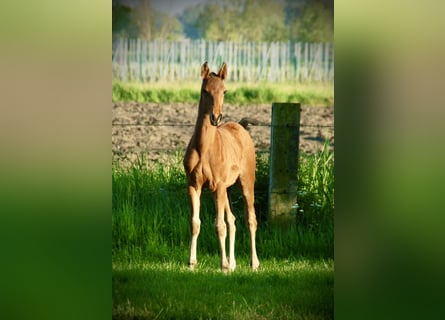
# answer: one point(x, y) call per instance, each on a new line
point(150, 247)
point(151, 211)
point(316, 192)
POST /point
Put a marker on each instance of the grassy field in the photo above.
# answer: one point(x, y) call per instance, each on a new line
point(237, 93)
point(150, 243)
point(300, 289)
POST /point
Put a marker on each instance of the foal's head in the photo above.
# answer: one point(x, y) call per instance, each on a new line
point(212, 92)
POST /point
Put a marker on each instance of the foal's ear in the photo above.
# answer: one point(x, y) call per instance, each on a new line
point(205, 70)
point(223, 71)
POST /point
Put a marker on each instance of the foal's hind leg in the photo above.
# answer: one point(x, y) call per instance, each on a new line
point(230, 218)
point(221, 200)
point(247, 188)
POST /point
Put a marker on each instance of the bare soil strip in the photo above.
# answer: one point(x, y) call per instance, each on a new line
point(156, 130)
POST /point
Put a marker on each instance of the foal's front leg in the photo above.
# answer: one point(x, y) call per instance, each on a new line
point(221, 229)
point(195, 223)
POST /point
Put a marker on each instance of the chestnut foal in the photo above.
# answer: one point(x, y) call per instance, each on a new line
point(217, 156)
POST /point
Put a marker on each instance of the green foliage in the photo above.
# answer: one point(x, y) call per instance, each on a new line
point(145, 93)
point(151, 210)
point(236, 20)
point(150, 247)
point(316, 191)
point(316, 25)
point(143, 21)
point(307, 94)
point(310, 21)
point(229, 20)
point(189, 20)
point(122, 21)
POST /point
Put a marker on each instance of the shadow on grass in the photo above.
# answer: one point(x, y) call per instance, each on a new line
point(300, 289)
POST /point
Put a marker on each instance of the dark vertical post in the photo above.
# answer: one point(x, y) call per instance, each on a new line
point(284, 144)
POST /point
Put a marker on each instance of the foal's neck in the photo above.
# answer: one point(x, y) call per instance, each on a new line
point(204, 130)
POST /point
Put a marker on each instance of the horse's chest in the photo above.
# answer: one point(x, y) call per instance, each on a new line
point(201, 174)
point(217, 174)
point(197, 174)
point(212, 171)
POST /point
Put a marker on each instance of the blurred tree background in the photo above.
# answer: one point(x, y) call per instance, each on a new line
point(228, 20)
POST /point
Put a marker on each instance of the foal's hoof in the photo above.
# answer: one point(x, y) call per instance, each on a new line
point(255, 266)
point(226, 268)
point(192, 266)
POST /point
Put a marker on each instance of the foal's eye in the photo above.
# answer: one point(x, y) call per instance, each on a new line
point(225, 91)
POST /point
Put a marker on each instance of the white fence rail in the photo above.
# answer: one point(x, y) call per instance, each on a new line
point(162, 60)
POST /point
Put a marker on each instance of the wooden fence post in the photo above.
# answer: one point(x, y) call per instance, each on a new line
point(284, 142)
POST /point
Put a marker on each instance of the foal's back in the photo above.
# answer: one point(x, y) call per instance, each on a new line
point(236, 141)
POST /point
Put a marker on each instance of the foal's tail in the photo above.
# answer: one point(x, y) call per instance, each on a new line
point(246, 121)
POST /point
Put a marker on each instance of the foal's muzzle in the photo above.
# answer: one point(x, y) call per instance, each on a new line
point(215, 121)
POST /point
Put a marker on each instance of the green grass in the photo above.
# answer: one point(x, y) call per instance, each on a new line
point(150, 244)
point(237, 93)
point(281, 290)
